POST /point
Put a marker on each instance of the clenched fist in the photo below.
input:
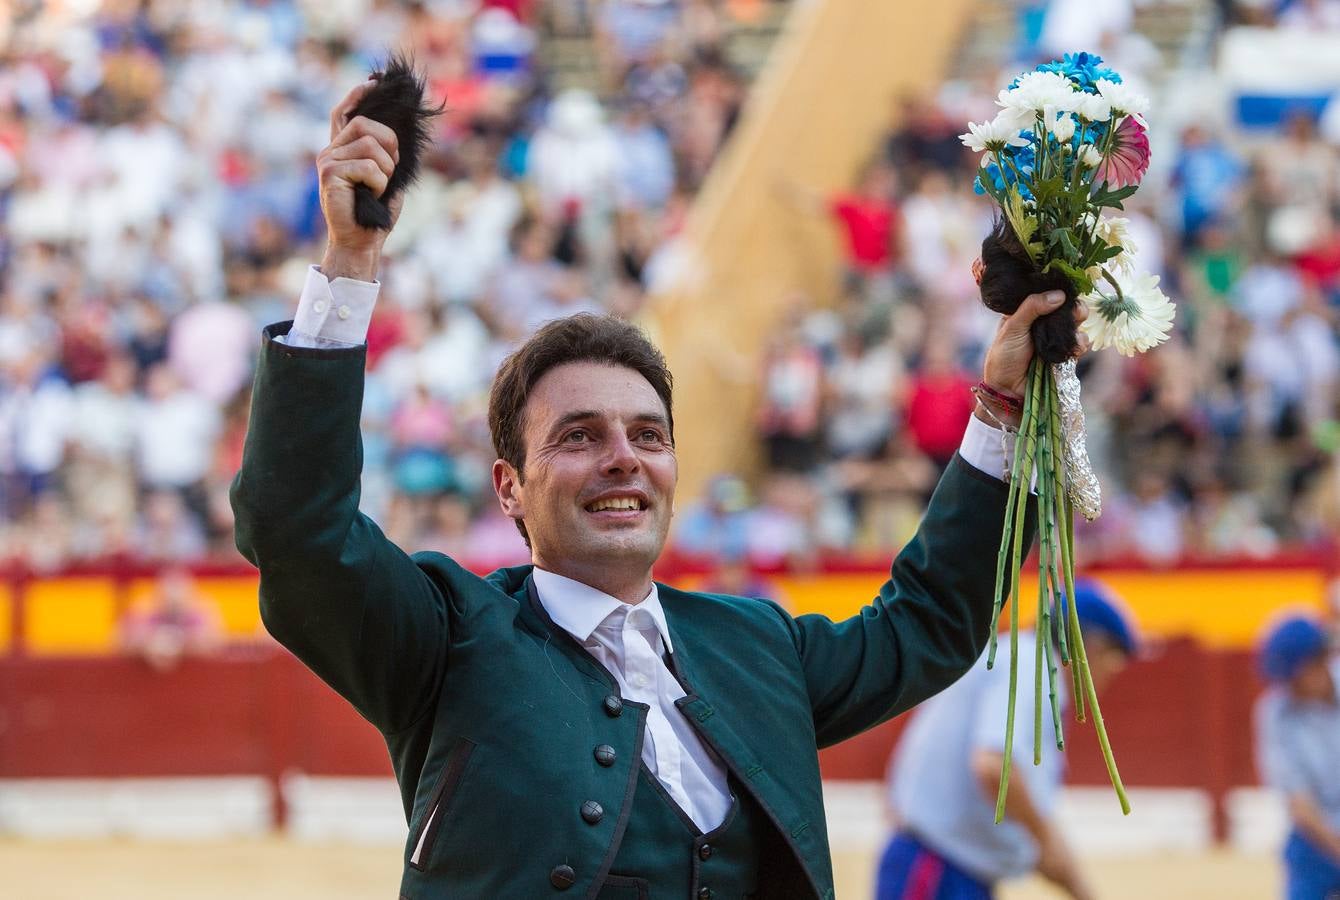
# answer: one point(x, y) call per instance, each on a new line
point(360, 151)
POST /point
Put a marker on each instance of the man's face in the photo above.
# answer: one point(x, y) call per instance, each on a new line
point(1106, 659)
point(599, 473)
point(1313, 681)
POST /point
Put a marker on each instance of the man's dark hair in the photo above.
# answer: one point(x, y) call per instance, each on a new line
point(580, 338)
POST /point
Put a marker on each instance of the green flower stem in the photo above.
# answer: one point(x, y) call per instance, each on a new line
point(1051, 550)
point(1107, 276)
point(1016, 475)
point(1067, 576)
point(1108, 140)
point(1026, 432)
point(1058, 503)
point(1068, 548)
point(1044, 523)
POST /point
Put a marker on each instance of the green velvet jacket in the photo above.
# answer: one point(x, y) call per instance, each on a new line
point(491, 713)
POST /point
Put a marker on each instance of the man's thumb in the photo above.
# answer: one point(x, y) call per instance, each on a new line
point(1035, 305)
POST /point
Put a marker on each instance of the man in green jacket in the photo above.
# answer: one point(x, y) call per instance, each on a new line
point(571, 728)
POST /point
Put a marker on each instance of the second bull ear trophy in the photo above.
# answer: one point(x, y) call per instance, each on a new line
point(1068, 146)
point(396, 100)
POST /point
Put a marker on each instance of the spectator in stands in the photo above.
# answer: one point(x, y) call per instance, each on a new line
point(939, 402)
point(922, 137)
point(718, 524)
point(1297, 742)
point(792, 382)
point(944, 776)
point(35, 421)
point(175, 621)
point(868, 221)
point(1206, 175)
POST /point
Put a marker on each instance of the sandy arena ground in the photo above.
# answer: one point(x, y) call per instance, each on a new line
point(275, 868)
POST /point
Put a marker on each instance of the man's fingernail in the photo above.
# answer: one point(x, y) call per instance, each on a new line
point(1055, 298)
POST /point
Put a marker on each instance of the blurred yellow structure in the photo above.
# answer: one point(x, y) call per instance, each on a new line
point(1222, 608)
point(813, 115)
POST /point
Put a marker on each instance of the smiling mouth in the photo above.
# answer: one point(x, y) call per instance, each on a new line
point(617, 504)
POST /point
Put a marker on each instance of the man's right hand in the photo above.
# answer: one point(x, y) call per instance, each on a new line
point(364, 152)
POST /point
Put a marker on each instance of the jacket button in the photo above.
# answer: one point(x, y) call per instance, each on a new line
point(562, 877)
point(705, 852)
point(705, 893)
point(605, 755)
point(613, 706)
point(592, 812)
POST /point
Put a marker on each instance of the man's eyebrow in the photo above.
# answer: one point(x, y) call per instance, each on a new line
point(652, 418)
point(577, 415)
point(585, 415)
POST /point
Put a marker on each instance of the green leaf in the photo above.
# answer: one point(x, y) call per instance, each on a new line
point(1047, 190)
point(1106, 196)
point(1025, 225)
point(1063, 238)
point(1078, 277)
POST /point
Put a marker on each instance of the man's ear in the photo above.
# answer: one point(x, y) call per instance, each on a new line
point(507, 485)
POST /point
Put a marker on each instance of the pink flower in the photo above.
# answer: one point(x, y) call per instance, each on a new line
point(1128, 160)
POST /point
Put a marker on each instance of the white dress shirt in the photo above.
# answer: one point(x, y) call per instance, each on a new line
point(631, 642)
point(628, 640)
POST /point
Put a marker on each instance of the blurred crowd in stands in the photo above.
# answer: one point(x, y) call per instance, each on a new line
point(1222, 444)
point(158, 206)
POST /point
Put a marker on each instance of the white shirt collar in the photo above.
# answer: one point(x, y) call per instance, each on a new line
point(579, 609)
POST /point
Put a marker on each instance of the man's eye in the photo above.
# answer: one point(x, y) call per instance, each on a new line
point(651, 436)
point(576, 437)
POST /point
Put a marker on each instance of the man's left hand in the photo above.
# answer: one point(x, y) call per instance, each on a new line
point(1007, 360)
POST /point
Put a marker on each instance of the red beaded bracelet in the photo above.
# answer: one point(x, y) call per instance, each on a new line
point(1013, 404)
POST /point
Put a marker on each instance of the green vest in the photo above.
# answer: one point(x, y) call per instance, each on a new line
point(664, 855)
point(496, 720)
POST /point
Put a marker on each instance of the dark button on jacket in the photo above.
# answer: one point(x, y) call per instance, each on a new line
point(562, 877)
point(592, 812)
point(605, 755)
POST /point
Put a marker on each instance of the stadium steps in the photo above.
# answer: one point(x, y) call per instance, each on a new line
point(568, 55)
point(1181, 31)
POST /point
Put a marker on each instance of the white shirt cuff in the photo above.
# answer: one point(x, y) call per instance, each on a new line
point(333, 313)
point(983, 447)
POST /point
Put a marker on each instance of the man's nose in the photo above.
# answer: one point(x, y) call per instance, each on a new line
point(621, 457)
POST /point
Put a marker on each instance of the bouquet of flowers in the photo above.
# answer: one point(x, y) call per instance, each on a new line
point(1068, 145)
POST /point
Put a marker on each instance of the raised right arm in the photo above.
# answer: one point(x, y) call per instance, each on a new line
point(344, 599)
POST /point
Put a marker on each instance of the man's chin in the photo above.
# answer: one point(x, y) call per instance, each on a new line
point(631, 546)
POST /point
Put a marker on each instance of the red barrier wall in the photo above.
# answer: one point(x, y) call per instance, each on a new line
point(1179, 718)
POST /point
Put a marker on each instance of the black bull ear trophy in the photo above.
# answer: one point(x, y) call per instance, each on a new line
point(396, 101)
point(1010, 276)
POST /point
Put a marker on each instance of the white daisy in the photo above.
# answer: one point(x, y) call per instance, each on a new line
point(999, 133)
point(1094, 107)
point(1124, 100)
point(1115, 232)
point(1039, 90)
point(1061, 125)
point(1090, 157)
point(1133, 323)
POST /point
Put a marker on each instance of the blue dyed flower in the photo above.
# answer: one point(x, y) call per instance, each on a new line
point(1084, 69)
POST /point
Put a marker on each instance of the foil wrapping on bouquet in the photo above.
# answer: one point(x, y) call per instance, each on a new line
point(1081, 483)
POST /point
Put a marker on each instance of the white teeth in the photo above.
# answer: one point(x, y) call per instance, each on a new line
point(616, 503)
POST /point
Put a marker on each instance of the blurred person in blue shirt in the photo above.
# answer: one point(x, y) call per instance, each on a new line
point(718, 524)
point(945, 773)
point(1207, 175)
point(1298, 751)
